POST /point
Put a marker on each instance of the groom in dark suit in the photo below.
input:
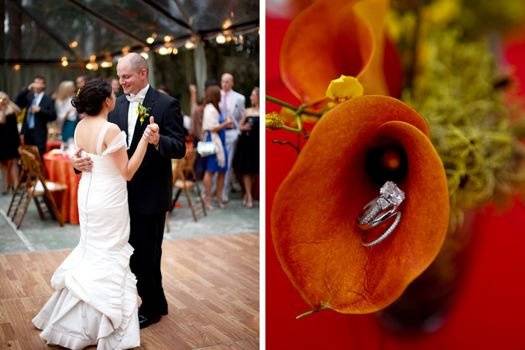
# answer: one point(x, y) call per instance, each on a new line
point(149, 192)
point(40, 109)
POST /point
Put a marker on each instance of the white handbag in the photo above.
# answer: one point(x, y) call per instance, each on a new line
point(206, 148)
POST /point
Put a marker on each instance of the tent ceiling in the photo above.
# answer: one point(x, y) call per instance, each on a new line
point(41, 30)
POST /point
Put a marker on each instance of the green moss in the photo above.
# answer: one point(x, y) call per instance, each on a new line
point(469, 122)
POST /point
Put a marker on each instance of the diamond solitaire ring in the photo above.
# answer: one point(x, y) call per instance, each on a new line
point(379, 210)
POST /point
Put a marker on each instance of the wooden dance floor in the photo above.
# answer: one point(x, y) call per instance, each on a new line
point(211, 283)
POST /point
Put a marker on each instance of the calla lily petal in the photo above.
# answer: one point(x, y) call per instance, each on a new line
point(333, 37)
point(314, 212)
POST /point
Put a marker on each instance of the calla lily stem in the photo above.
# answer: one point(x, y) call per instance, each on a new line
point(302, 108)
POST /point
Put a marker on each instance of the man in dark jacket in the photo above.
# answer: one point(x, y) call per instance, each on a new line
point(150, 190)
point(40, 109)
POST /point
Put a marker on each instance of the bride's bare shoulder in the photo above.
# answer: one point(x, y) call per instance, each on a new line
point(113, 128)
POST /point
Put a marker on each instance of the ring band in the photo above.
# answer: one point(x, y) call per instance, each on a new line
point(379, 210)
point(386, 233)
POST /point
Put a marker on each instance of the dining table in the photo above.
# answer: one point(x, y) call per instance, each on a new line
point(59, 168)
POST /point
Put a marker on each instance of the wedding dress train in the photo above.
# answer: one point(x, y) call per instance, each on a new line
point(95, 299)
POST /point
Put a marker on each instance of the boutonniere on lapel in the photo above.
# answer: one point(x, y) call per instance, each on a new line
point(143, 113)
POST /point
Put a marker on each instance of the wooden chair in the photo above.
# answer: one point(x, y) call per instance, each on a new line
point(34, 186)
point(185, 180)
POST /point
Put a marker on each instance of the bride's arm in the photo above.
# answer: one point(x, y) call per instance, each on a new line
point(128, 168)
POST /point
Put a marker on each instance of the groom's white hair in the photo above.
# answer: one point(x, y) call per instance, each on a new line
point(135, 60)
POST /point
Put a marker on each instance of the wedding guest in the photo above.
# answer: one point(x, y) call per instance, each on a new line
point(232, 105)
point(214, 125)
point(115, 86)
point(246, 162)
point(195, 131)
point(197, 110)
point(66, 114)
point(40, 109)
point(9, 141)
point(80, 81)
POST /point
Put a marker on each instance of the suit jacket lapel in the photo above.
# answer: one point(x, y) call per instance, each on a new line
point(149, 103)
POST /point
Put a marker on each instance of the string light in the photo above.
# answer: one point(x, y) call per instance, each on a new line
point(227, 35)
point(227, 23)
point(108, 61)
point(221, 39)
point(189, 44)
point(16, 67)
point(163, 50)
point(106, 64)
point(92, 64)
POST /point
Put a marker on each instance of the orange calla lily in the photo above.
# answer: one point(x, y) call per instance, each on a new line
point(334, 37)
point(314, 213)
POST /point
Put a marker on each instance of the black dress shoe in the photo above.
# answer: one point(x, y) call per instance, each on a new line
point(145, 321)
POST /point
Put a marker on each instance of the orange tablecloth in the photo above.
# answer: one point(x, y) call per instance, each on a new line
point(60, 169)
point(52, 144)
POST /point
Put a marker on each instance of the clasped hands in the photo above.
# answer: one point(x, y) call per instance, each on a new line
point(84, 163)
point(152, 132)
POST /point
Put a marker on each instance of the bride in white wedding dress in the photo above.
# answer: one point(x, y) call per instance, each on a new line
point(95, 299)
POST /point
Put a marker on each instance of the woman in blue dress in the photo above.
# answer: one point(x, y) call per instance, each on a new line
point(213, 126)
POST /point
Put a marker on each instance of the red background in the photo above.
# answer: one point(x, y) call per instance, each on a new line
point(489, 310)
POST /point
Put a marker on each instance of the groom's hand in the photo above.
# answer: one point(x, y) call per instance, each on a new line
point(154, 135)
point(82, 163)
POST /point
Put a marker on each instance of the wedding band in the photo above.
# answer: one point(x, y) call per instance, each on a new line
point(381, 209)
point(385, 234)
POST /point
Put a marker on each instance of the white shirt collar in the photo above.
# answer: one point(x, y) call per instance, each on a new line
point(141, 95)
point(37, 98)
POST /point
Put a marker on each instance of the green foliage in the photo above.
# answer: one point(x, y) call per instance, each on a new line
point(482, 17)
point(468, 118)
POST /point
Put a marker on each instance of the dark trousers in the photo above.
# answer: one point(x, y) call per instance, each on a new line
point(146, 233)
point(29, 139)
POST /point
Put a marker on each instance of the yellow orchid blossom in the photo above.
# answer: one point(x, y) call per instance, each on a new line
point(344, 88)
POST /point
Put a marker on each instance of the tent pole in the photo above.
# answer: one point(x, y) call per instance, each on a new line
point(151, 68)
point(200, 65)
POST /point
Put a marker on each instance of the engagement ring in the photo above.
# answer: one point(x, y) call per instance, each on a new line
point(380, 209)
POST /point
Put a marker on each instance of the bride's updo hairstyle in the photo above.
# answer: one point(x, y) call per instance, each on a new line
point(90, 97)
